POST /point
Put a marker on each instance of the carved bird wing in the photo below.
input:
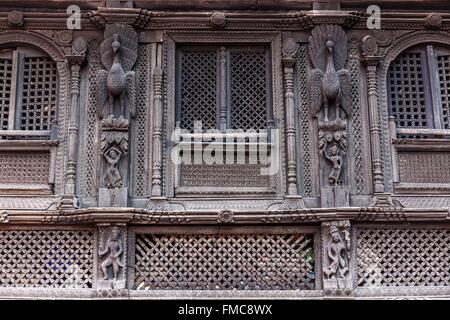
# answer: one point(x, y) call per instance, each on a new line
point(101, 91)
point(131, 86)
point(315, 90)
point(128, 46)
point(346, 94)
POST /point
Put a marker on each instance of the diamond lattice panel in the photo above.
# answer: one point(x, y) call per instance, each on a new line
point(223, 175)
point(42, 258)
point(399, 257)
point(39, 96)
point(224, 262)
point(248, 90)
point(24, 167)
point(5, 90)
point(424, 167)
point(406, 91)
point(198, 89)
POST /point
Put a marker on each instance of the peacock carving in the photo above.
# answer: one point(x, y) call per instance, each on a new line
point(329, 82)
point(330, 101)
point(116, 91)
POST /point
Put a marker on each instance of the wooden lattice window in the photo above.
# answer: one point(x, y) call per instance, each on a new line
point(223, 87)
point(228, 90)
point(28, 90)
point(419, 88)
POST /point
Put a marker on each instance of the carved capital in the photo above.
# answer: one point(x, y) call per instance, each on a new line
point(112, 257)
point(336, 254)
point(289, 49)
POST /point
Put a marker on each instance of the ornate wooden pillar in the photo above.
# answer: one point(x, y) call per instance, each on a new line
point(370, 52)
point(157, 133)
point(289, 50)
point(75, 60)
point(370, 48)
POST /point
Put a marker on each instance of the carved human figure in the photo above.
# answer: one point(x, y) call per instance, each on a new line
point(113, 249)
point(113, 178)
point(336, 162)
point(336, 253)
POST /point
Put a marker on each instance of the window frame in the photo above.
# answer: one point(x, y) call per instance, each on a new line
point(226, 38)
point(18, 55)
point(429, 53)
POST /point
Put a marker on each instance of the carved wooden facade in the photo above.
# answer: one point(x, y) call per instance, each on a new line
point(355, 122)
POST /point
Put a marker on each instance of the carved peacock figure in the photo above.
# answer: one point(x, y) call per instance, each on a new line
point(329, 82)
point(116, 84)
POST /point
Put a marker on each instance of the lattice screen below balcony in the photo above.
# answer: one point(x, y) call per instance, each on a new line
point(403, 257)
point(19, 167)
point(424, 167)
point(224, 262)
point(40, 258)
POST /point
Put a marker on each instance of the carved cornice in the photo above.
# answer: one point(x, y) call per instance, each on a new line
point(234, 20)
point(240, 217)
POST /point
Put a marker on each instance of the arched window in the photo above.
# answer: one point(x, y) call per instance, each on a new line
point(419, 88)
point(28, 90)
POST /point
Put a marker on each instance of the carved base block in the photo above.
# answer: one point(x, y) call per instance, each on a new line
point(115, 197)
point(331, 197)
point(292, 203)
point(157, 204)
point(110, 284)
point(337, 283)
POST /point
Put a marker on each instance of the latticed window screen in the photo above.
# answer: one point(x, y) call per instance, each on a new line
point(419, 88)
point(38, 93)
point(28, 90)
point(46, 258)
point(406, 89)
point(444, 83)
point(225, 262)
point(5, 91)
point(198, 89)
point(223, 87)
point(248, 90)
point(403, 257)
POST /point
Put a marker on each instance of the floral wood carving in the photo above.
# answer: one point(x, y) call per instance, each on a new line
point(116, 84)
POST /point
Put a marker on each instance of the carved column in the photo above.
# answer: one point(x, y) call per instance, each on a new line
point(290, 48)
point(112, 257)
point(157, 134)
point(292, 199)
point(75, 60)
point(370, 49)
point(336, 257)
